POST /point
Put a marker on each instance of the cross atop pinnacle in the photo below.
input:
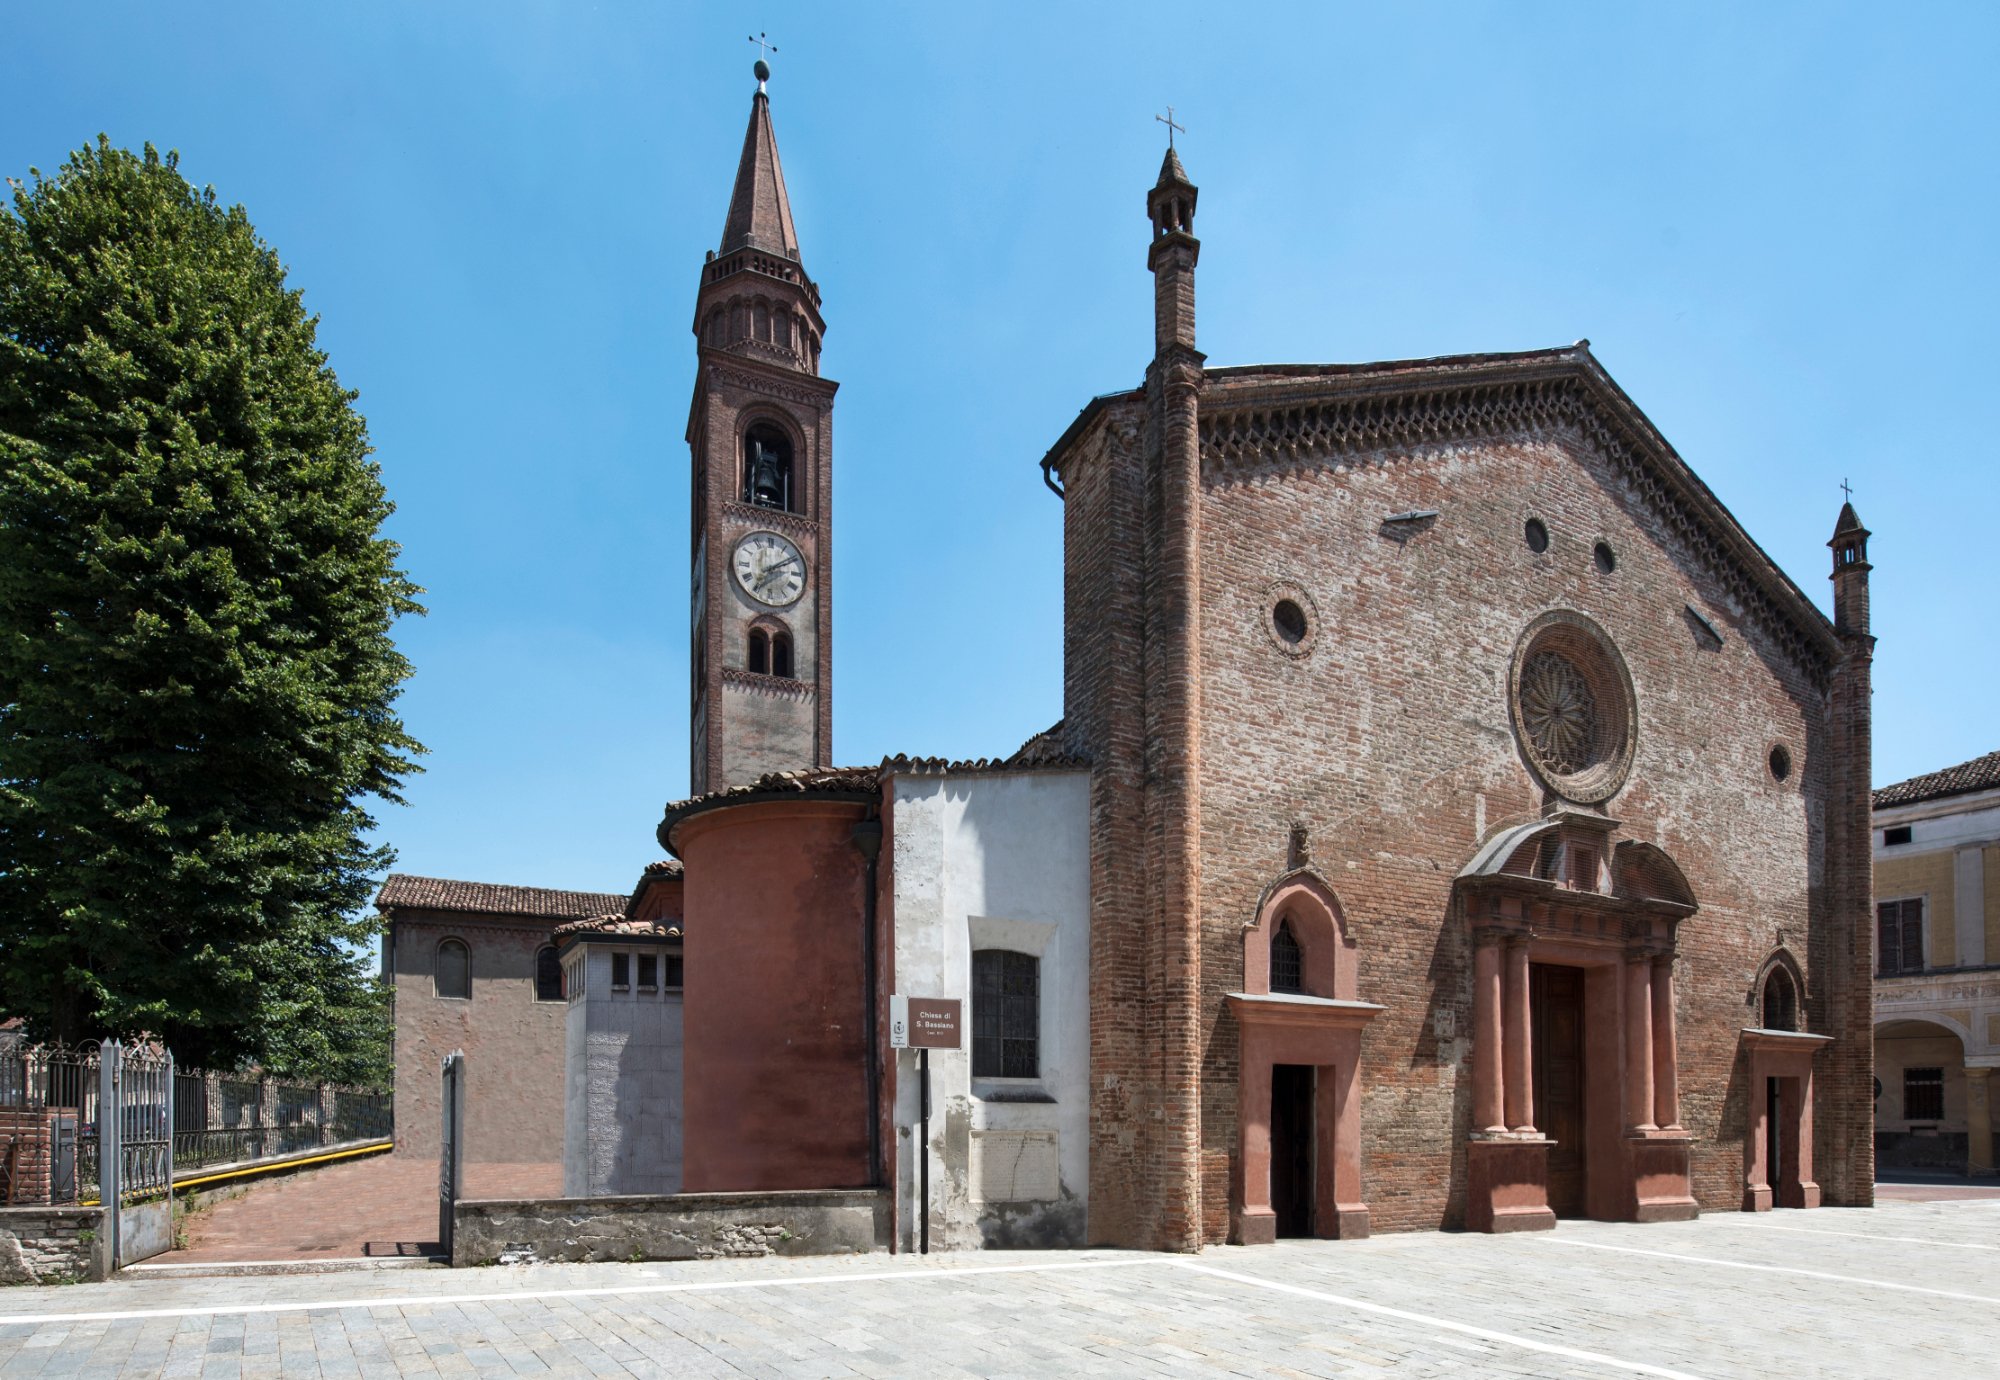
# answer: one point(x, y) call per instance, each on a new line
point(1168, 120)
point(762, 70)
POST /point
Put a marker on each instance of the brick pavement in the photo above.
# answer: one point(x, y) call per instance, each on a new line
point(383, 1205)
point(1903, 1288)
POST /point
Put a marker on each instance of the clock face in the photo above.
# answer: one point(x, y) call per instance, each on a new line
point(770, 569)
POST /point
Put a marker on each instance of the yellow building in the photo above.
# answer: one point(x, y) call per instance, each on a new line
point(1937, 976)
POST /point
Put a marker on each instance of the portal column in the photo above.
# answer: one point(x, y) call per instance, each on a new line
point(1639, 1043)
point(1487, 1034)
point(1666, 1047)
point(1978, 1121)
point(1520, 1097)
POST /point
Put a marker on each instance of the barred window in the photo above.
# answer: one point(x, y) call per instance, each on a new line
point(548, 974)
point(673, 979)
point(649, 972)
point(1923, 1094)
point(621, 972)
point(1288, 966)
point(1006, 1014)
point(453, 974)
point(1899, 927)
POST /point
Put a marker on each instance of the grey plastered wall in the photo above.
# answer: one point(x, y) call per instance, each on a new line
point(622, 1082)
point(688, 1226)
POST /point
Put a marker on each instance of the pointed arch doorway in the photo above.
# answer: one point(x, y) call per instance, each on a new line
point(1298, 1111)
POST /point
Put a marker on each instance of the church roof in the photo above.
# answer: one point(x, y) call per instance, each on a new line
point(1980, 774)
point(402, 891)
point(760, 210)
point(817, 783)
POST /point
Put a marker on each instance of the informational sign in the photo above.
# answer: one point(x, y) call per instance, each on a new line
point(926, 1023)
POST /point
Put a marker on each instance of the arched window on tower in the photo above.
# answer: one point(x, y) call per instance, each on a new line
point(1288, 960)
point(781, 654)
point(1781, 1001)
point(767, 468)
point(760, 651)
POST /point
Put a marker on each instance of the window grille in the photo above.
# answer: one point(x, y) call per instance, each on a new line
point(621, 972)
point(1006, 1014)
point(1900, 932)
point(1288, 965)
point(673, 972)
point(453, 974)
point(548, 974)
point(649, 972)
point(1923, 1094)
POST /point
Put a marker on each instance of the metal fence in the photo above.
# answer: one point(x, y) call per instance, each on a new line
point(50, 1124)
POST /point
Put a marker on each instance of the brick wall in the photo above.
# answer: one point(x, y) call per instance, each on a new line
point(1389, 737)
point(513, 1044)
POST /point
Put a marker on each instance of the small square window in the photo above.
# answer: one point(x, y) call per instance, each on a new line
point(621, 972)
point(1892, 837)
point(1923, 1094)
point(649, 972)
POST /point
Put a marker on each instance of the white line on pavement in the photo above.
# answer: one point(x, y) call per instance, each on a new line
point(1858, 1235)
point(1445, 1324)
point(1770, 1269)
point(539, 1295)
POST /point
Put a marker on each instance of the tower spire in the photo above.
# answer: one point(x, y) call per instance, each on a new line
point(760, 210)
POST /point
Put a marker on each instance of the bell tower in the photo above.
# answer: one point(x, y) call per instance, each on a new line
point(760, 435)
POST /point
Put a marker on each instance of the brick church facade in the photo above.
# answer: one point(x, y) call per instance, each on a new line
point(1453, 669)
point(1455, 818)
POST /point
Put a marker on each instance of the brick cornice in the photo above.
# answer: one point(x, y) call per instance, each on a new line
point(807, 390)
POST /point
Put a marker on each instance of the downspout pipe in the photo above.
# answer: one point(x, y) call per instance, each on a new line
point(868, 841)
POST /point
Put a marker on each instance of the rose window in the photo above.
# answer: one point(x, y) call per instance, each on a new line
point(1560, 712)
point(1573, 707)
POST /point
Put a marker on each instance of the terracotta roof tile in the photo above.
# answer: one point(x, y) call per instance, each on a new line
point(1980, 774)
point(404, 892)
point(616, 926)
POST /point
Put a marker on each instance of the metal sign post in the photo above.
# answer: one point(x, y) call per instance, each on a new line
point(925, 1024)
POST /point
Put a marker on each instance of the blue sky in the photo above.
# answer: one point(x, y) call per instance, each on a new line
point(1774, 222)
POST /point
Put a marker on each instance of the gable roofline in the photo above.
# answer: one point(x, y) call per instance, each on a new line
point(1979, 774)
point(1619, 422)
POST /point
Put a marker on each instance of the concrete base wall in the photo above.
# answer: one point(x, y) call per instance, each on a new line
point(684, 1226)
point(52, 1245)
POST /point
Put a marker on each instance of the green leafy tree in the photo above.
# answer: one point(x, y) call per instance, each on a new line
point(197, 681)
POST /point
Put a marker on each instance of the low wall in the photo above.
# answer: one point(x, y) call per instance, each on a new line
point(52, 1245)
point(681, 1226)
point(1921, 1150)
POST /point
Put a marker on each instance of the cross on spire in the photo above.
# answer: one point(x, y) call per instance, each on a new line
point(1168, 120)
point(1846, 490)
point(764, 46)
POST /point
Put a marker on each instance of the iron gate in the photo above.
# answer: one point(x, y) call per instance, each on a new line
point(451, 1158)
point(135, 1149)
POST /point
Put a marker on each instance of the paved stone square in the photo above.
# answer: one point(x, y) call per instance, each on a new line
point(1907, 1288)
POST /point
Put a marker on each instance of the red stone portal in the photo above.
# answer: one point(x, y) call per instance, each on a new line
point(1576, 1096)
point(1305, 1046)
